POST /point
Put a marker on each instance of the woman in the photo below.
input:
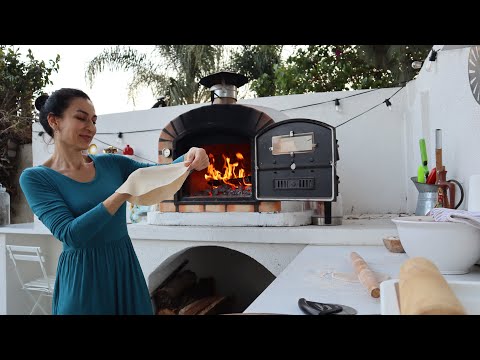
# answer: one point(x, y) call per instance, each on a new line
point(74, 196)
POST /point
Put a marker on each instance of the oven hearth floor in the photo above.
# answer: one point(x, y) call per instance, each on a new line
point(297, 218)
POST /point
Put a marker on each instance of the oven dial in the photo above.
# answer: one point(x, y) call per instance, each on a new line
point(166, 152)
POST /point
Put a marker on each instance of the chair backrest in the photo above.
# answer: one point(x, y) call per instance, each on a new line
point(30, 254)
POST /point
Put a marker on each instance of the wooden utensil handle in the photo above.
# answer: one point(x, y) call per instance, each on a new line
point(438, 159)
point(365, 275)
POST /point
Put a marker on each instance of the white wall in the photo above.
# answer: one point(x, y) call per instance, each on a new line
point(371, 146)
point(379, 150)
point(441, 99)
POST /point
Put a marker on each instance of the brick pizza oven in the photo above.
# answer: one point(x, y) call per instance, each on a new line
point(258, 157)
point(260, 160)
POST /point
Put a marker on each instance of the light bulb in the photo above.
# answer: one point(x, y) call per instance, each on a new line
point(92, 149)
point(431, 59)
point(119, 139)
point(417, 65)
point(337, 105)
point(389, 104)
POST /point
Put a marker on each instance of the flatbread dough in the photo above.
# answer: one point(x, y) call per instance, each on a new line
point(352, 277)
point(153, 184)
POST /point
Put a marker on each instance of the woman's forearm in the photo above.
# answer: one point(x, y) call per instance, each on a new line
point(114, 201)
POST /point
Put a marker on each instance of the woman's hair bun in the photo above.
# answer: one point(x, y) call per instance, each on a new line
point(40, 101)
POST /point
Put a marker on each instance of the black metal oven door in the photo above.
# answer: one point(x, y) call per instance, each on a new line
point(296, 159)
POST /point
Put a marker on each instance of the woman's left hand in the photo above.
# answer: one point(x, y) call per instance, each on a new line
point(196, 159)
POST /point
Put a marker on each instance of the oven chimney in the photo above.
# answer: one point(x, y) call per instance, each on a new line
point(223, 86)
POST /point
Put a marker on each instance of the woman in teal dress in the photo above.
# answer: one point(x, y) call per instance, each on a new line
point(74, 196)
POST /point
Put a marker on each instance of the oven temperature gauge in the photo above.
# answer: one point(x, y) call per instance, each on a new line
point(166, 152)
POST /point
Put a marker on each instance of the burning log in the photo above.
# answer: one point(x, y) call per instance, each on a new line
point(235, 182)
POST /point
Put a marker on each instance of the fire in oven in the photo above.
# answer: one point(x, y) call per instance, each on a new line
point(227, 133)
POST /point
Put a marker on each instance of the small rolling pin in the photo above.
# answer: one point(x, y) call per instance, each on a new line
point(365, 275)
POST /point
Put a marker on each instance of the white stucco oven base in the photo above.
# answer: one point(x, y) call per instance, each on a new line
point(296, 218)
point(243, 251)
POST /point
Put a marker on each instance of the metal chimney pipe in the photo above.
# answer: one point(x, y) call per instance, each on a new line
point(223, 86)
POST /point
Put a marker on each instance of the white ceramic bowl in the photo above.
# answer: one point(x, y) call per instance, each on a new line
point(452, 247)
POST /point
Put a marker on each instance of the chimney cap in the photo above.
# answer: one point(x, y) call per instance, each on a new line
point(229, 78)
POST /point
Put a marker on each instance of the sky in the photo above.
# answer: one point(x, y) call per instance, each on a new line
point(109, 92)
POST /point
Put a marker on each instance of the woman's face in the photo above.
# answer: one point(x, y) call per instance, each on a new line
point(76, 128)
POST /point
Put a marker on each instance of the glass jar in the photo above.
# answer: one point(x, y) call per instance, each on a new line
point(4, 206)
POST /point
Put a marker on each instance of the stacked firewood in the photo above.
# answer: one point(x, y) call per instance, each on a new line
point(184, 294)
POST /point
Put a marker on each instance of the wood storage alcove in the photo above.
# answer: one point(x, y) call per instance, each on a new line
point(207, 280)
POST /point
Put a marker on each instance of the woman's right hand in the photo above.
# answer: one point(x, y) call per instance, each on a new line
point(197, 159)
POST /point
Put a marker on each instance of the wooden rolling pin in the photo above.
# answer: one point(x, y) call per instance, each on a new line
point(424, 291)
point(365, 275)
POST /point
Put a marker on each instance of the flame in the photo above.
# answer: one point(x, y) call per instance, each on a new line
point(229, 171)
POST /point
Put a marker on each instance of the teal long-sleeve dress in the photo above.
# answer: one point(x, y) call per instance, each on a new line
point(98, 271)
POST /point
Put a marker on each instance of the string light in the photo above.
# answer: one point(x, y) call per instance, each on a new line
point(337, 105)
point(119, 138)
point(92, 149)
point(432, 58)
point(327, 101)
point(417, 64)
point(389, 104)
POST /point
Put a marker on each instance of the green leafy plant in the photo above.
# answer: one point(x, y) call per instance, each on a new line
point(258, 64)
point(322, 68)
point(172, 71)
point(20, 81)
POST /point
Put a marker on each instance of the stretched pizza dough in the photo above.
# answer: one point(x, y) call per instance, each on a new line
point(153, 184)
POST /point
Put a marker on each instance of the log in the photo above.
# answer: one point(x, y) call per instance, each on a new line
point(171, 276)
point(166, 312)
point(203, 306)
point(170, 295)
point(214, 307)
point(203, 288)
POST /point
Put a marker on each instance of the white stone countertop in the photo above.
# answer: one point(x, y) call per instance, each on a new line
point(311, 276)
point(351, 232)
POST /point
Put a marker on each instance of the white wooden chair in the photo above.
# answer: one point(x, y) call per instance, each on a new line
point(42, 285)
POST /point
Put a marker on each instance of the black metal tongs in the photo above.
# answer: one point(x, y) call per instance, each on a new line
point(316, 308)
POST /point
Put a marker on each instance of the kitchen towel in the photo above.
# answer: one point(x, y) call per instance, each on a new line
point(461, 216)
point(153, 184)
point(424, 291)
